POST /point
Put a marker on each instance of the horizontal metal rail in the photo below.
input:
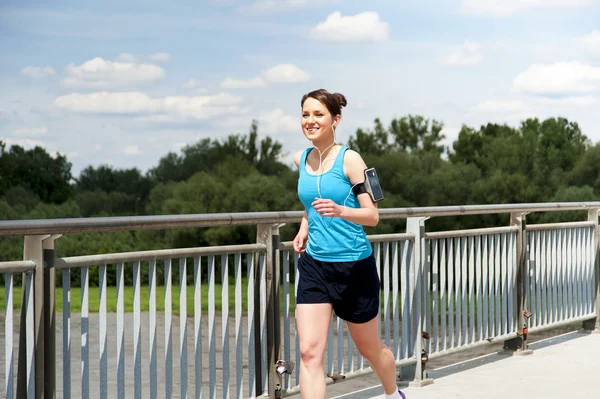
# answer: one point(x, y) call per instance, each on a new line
point(470, 232)
point(79, 261)
point(157, 222)
point(16, 266)
point(555, 226)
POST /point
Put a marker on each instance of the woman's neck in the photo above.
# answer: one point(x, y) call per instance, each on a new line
point(325, 147)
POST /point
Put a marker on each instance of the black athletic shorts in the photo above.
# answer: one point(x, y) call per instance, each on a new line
point(351, 287)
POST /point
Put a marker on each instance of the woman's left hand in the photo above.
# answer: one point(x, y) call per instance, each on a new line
point(326, 207)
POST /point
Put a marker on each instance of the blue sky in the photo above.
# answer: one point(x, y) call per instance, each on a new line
point(124, 82)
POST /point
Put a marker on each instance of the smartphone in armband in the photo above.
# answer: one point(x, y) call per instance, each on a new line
point(372, 185)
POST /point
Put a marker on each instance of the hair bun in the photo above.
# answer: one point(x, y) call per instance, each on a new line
point(340, 99)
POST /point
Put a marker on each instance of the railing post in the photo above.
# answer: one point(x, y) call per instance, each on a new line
point(40, 249)
point(521, 282)
point(49, 317)
point(420, 298)
point(268, 235)
point(593, 217)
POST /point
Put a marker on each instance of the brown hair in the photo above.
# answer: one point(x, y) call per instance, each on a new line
point(334, 102)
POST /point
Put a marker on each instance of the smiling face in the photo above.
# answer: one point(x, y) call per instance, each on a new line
point(317, 121)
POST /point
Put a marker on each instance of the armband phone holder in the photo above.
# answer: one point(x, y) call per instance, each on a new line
point(370, 186)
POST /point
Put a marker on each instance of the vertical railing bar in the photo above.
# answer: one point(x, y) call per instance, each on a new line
point(471, 296)
point(239, 382)
point(435, 273)
point(505, 282)
point(330, 348)
point(137, 331)
point(404, 291)
point(30, 334)
point(396, 297)
point(443, 295)
point(590, 265)
point(562, 297)
point(425, 294)
point(340, 345)
point(376, 250)
point(486, 288)
point(531, 305)
point(538, 278)
point(121, 331)
point(386, 292)
point(512, 269)
point(549, 278)
point(498, 280)
point(103, 339)
point(263, 320)
point(152, 328)
point(555, 275)
point(584, 266)
point(183, 369)
point(168, 328)
point(451, 299)
point(198, 328)
point(251, 325)
point(85, 361)
point(66, 285)
point(286, 313)
point(297, 340)
point(8, 336)
point(572, 277)
point(464, 246)
point(579, 273)
point(212, 348)
point(479, 282)
point(459, 244)
point(225, 322)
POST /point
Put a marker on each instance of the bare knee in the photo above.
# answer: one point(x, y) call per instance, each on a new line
point(372, 350)
point(311, 353)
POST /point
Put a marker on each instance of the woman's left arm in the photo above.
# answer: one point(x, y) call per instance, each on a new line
point(367, 214)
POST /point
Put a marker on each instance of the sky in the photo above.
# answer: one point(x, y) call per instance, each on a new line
point(122, 83)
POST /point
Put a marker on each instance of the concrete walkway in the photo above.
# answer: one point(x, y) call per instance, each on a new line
point(567, 366)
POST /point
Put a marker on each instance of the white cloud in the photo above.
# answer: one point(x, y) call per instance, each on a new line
point(365, 26)
point(516, 110)
point(502, 8)
point(591, 43)
point(25, 143)
point(286, 73)
point(468, 54)
point(73, 154)
point(279, 74)
point(102, 74)
point(166, 109)
point(270, 6)
point(160, 57)
point(252, 83)
point(31, 132)
point(38, 72)
point(560, 78)
point(131, 150)
point(277, 121)
point(126, 57)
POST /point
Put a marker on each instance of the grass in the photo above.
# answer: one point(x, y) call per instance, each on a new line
point(111, 299)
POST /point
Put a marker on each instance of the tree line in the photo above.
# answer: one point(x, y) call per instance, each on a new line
point(537, 161)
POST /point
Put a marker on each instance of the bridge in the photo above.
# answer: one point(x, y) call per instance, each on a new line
point(446, 295)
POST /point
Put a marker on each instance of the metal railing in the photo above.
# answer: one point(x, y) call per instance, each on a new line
point(465, 288)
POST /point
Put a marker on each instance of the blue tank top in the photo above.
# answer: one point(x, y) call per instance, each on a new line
point(331, 239)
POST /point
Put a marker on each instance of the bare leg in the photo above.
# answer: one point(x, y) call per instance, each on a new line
point(312, 322)
point(380, 357)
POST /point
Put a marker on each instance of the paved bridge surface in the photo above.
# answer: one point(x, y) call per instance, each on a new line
point(566, 366)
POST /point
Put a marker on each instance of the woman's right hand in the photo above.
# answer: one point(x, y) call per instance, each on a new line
point(299, 242)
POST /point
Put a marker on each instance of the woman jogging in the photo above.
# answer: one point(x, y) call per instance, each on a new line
point(337, 269)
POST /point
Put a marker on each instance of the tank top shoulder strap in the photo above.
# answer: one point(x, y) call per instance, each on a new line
point(339, 161)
